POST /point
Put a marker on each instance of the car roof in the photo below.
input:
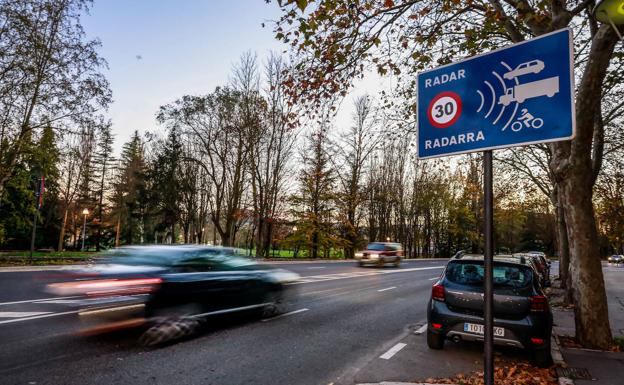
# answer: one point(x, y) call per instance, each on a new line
point(173, 252)
point(506, 258)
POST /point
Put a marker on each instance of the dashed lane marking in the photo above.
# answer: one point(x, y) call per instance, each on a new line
point(431, 279)
point(21, 314)
point(285, 314)
point(421, 329)
point(331, 277)
point(393, 350)
point(38, 300)
point(386, 289)
point(38, 316)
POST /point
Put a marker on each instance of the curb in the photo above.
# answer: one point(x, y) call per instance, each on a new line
point(555, 352)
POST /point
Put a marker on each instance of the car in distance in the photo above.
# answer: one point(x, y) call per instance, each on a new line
point(380, 253)
point(522, 315)
point(617, 259)
point(145, 284)
point(541, 265)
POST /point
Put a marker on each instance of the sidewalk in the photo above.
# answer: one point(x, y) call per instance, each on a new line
point(586, 366)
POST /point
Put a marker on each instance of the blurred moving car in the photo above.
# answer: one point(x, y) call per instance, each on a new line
point(522, 315)
point(143, 284)
point(380, 253)
point(617, 259)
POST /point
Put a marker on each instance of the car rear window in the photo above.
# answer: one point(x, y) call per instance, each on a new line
point(376, 246)
point(505, 276)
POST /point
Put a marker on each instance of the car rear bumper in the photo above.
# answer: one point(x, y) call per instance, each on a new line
point(518, 333)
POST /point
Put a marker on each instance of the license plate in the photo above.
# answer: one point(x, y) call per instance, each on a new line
point(478, 329)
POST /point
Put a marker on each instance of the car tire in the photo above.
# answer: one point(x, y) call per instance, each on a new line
point(361, 264)
point(397, 263)
point(542, 358)
point(435, 341)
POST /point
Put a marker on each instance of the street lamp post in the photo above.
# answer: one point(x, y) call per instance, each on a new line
point(85, 212)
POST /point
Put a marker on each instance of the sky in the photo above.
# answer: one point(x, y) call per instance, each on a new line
point(160, 50)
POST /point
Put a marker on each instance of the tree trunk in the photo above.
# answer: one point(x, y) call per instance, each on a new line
point(590, 312)
point(117, 231)
point(61, 242)
point(564, 252)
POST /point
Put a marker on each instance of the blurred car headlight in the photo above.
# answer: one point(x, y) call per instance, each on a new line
point(284, 276)
point(359, 255)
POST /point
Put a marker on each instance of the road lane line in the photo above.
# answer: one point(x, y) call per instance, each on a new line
point(332, 277)
point(38, 316)
point(431, 279)
point(421, 329)
point(393, 350)
point(21, 314)
point(388, 288)
point(285, 314)
point(37, 300)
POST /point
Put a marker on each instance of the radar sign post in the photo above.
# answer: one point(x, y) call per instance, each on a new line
point(518, 95)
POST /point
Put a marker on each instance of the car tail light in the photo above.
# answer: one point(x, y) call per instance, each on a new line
point(437, 292)
point(537, 341)
point(436, 326)
point(539, 303)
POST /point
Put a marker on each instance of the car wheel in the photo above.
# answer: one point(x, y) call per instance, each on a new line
point(275, 304)
point(397, 263)
point(542, 357)
point(361, 264)
point(435, 341)
point(169, 330)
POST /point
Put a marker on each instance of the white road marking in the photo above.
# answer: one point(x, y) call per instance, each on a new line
point(316, 267)
point(421, 329)
point(37, 300)
point(285, 314)
point(21, 314)
point(388, 288)
point(38, 316)
point(393, 350)
point(434, 278)
point(331, 277)
point(61, 301)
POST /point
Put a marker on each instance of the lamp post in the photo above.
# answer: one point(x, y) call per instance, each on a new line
point(296, 250)
point(611, 12)
point(85, 212)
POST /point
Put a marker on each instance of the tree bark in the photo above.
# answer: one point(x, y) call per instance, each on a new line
point(564, 251)
point(572, 167)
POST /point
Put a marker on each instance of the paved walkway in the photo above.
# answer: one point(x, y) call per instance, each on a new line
point(604, 368)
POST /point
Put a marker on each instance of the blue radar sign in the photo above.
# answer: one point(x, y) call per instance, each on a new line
point(518, 95)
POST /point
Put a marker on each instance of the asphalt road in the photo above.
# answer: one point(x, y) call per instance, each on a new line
point(343, 318)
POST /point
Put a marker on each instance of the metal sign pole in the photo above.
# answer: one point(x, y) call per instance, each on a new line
point(488, 359)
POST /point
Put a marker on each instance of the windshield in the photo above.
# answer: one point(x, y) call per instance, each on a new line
point(505, 276)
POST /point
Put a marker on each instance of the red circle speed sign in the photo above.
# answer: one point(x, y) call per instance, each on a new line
point(444, 109)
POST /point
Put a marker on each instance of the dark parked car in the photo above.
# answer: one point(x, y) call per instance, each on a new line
point(541, 265)
point(617, 259)
point(380, 253)
point(144, 284)
point(522, 316)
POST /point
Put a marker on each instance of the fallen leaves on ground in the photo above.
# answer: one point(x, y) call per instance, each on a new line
point(505, 374)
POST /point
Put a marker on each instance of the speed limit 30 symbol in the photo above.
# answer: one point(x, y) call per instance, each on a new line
point(444, 109)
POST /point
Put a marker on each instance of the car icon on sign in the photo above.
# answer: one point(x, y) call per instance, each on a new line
point(533, 66)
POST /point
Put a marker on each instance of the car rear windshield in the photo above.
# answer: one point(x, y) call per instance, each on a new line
point(376, 246)
point(472, 273)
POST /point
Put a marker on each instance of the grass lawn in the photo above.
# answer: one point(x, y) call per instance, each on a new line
point(48, 254)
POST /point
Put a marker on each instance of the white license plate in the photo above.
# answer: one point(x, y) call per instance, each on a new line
point(478, 329)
